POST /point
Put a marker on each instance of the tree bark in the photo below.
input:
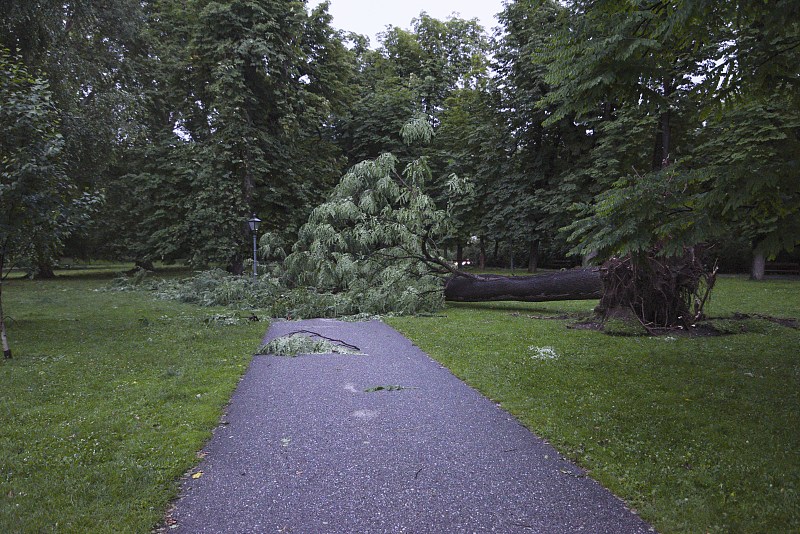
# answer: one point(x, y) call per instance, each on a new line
point(459, 256)
point(482, 260)
point(3, 336)
point(533, 260)
point(757, 268)
point(664, 133)
point(236, 265)
point(573, 284)
point(44, 271)
point(147, 265)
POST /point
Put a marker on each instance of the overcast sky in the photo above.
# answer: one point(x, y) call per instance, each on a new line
point(368, 17)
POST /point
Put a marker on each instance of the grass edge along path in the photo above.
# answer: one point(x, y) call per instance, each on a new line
point(696, 434)
point(107, 401)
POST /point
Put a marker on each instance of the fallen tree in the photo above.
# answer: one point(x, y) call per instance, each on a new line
point(573, 284)
point(372, 247)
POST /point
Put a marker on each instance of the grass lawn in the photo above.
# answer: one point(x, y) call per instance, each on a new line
point(696, 434)
point(110, 395)
point(108, 399)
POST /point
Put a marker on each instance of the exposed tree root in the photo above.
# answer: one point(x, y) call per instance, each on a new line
point(661, 292)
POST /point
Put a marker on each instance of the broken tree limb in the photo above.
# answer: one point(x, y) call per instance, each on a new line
point(573, 284)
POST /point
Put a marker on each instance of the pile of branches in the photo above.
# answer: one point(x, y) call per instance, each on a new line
point(662, 292)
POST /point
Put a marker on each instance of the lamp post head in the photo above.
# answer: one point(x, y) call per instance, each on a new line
point(253, 223)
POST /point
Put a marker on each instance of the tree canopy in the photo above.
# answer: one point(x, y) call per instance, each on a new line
point(150, 131)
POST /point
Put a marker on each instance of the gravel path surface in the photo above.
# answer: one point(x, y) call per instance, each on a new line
point(308, 445)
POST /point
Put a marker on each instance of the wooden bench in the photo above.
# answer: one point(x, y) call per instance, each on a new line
point(772, 267)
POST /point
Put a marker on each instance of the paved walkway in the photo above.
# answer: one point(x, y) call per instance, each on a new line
point(306, 448)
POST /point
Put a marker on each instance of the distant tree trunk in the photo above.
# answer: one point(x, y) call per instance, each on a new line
point(663, 138)
point(573, 284)
point(147, 265)
point(6, 348)
point(757, 268)
point(533, 261)
point(236, 265)
point(482, 258)
point(459, 255)
point(44, 271)
point(496, 253)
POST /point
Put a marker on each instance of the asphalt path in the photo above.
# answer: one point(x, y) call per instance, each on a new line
point(330, 443)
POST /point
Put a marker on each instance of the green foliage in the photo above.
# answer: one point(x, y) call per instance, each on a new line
point(469, 144)
point(749, 156)
point(236, 120)
point(643, 212)
point(41, 206)
point(437, 57)
point(374, 240)
point(296, 344)
point(691, 144)
point(86, 52)
point(741, 177)
point(371, 248)
point(532, 176)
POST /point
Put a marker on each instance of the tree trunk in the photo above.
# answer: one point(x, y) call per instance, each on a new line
point(44, 271)
point(459, 256)
point(147, 265)
point(757, 268)
point(663, 143)
point(6, 348)
point(236, 265)
point(573, 284)
point(482, 259)
point(533, 260)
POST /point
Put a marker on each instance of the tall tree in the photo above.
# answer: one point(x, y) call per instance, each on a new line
point(82, 48)
point(35, 192)
point(540, 176)
point(412, 73)
point(241, 101)
point(664, 67)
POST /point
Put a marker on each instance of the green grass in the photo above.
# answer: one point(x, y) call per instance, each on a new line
point(107, 401)
point(696, 434)
point(110, 396)
point(101, 269)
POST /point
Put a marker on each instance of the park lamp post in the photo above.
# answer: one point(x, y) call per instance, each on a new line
point(253, 224)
